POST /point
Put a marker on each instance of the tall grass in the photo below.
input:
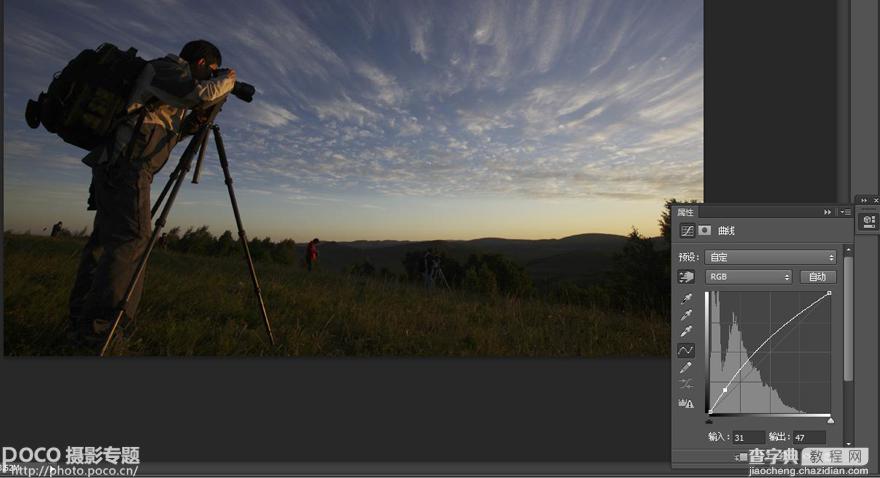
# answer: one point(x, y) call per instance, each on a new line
point(195, 305)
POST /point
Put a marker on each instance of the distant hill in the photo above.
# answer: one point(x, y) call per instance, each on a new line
point(373, 244)
point(582, 258)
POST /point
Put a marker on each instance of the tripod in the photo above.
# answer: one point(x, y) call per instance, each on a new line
point(437, 273)
point(197, 143)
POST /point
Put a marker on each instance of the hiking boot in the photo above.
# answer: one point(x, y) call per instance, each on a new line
point(102, 326)
point(91, 333)
point(88, 335)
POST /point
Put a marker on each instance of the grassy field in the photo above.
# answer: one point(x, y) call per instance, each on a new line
point(196, 305)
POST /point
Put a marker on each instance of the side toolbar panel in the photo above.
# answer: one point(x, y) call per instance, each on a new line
point(761, 333)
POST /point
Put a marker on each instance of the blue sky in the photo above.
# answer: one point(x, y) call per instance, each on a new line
point(395, 120)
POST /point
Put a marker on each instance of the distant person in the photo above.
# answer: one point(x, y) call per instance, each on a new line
point(312, 253)
point(56, 229)
point(163, 241)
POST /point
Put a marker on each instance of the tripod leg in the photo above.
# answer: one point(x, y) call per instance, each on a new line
point(443, 276)
point(184, 166)
point(198, 170)
point(167, 188)
point(221, 152)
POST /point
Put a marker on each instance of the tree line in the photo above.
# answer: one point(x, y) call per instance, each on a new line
point(490, 274)
point(200, 241)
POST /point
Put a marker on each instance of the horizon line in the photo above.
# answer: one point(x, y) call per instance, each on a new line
point(45, 232)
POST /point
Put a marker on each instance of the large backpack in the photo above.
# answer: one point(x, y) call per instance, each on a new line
point(87, 98)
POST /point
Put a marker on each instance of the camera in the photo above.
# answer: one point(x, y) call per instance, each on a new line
point(243, 91)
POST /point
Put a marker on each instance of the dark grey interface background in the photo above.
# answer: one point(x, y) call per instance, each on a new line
point(480, 416)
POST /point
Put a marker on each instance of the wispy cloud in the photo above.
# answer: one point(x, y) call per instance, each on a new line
point(271, 115)
point(538, 100)
point(384, 85)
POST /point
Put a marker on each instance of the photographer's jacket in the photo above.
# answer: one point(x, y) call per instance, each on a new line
point(163, 92)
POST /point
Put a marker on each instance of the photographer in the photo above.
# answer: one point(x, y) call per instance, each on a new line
point(57, 228)
point(122, 172)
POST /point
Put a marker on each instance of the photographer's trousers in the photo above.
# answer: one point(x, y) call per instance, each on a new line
point(121, 231)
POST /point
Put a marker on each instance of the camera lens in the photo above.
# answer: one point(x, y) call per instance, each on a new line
point(244, 91)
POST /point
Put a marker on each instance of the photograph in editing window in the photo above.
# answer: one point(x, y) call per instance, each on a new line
point(347, 179)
